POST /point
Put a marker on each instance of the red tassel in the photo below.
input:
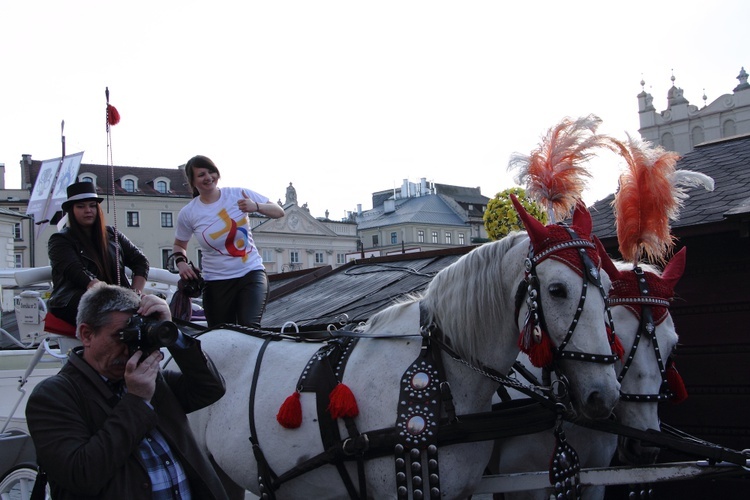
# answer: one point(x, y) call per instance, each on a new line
point(539, 353)
point(290, 413)
point(342, 402)
point(676, 384)
point(113, 116)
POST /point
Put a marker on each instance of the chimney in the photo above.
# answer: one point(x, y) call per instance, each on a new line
point(2, 175)
point(359, 209)
point(423, 186)
point(405, 189)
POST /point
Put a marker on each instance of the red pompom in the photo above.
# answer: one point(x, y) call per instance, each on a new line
point(113, 116)
point(342, 402)
point(539, 353)
point(676, 384)
point(290, 413)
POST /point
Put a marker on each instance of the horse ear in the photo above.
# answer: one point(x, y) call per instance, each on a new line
point(582, 219)
point(607, 264)
point(675, 267)
point(536, 230)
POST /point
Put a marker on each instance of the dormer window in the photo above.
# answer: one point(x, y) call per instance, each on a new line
point(129, 183)
point(87, 177)
point(161, 185)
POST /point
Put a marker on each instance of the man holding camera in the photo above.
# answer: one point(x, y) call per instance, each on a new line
point(111, 424)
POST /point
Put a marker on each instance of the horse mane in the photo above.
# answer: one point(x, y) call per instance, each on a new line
point(390, 313)
point(475, 283)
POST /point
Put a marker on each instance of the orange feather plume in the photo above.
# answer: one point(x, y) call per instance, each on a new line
point(649, 196)
point(553, 173)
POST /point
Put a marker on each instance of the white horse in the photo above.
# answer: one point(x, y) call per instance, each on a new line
point(406, 388)
point(639, 301)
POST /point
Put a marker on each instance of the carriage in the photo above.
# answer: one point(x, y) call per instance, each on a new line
point(450, 439)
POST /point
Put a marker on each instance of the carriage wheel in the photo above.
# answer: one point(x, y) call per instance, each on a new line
point(18, 483)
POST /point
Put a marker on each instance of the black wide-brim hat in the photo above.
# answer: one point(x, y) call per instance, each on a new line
point(80, 191)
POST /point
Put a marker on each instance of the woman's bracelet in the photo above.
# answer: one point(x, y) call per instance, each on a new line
point(178, 257)
point(257, 207)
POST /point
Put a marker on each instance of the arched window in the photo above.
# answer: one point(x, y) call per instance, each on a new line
point(728, 129)
point(696, 136)
point(87, 178)
point(128, 185)
point(667, 141)
point(161, 186)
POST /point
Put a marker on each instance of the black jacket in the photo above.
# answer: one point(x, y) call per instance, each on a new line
point(87, 440)
point(73, 269)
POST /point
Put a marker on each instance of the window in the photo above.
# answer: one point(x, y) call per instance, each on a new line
point(129, 185)
point(319, 258)
point(340, 258)
point(667, 141)
point(165, 253)
point(434, 236)
point(19, 259)
point(17, 231)
point(133, 219)
point(728, 129)
point(420, 236)
point(268, 255)
point(166, 219)
point(461, 239)
point(87, 178)
point(161, 186)
point(697, 135)
point(394, 238)
point(374, 240)
point(294, 257)
point(447, 238)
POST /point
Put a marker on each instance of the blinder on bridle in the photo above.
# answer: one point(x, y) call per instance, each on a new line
point(646, 327)
point(535, 327)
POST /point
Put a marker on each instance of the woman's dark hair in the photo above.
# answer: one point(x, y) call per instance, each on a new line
point(97, 243)
point(199, 161)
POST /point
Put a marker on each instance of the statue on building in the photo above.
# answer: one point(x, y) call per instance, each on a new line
point(291, 195)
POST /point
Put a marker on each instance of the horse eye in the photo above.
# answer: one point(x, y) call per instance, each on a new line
point(558, 290)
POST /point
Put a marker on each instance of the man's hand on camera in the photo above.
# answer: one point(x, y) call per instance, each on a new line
point(155, 307)
point(140, 376)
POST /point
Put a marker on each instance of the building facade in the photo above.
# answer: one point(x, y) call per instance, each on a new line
point(682, 126)
point(419, 217)
point(145, 205)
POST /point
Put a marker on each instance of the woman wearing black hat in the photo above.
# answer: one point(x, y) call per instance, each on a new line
point(85, 252)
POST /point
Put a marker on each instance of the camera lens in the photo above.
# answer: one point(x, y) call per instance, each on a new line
point(164, 333)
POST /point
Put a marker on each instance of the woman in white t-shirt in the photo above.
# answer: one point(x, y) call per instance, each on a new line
point(236, 283)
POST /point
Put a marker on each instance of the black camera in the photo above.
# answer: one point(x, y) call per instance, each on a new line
point(147, 334)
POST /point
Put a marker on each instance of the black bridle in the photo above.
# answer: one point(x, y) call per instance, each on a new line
point(529, 287)
point(646, 327)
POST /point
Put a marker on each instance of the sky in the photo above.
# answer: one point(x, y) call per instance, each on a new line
point(345, 98)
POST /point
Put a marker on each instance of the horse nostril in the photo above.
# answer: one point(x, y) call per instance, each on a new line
point(598, 405)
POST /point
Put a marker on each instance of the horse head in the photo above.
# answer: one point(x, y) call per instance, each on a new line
point(639, 299)
point(563, 321)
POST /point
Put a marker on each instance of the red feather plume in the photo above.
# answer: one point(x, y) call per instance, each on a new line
point(649, 196)
point(553, 173)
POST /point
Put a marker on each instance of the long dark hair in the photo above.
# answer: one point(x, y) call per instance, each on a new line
point(96, 244)
point(199, 161)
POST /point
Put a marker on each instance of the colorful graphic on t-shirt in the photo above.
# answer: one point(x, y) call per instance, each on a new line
point(227, 238)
